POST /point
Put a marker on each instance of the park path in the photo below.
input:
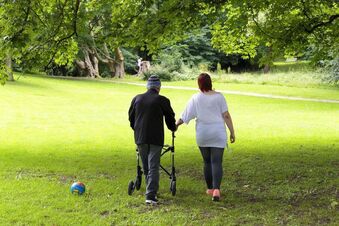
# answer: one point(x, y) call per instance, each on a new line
point(242, 93)
point(239, 93)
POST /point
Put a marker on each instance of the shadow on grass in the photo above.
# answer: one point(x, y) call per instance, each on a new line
point(244, 169)
point(25, 84)
point(285, 186)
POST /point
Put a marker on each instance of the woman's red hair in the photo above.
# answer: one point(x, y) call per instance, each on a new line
point(205, 82)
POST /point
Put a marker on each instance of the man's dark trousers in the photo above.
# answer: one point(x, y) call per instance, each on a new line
point(150, 157)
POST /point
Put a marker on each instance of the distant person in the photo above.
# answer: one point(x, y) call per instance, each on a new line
point(146, 116)
point(139, 66)
point(210, 110)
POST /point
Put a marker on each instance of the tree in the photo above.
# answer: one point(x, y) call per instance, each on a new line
point(268, 28)
point(95, 42)
point(152, 24)
point(13, 21)
point(42, 34)
point(33, 33)
point(286, 27)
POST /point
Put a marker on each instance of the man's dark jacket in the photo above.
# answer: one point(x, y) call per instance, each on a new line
point(146, 116)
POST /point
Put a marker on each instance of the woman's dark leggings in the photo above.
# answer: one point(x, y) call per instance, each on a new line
point(212, 166)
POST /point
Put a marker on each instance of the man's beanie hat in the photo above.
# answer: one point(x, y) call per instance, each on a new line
point(153, 82)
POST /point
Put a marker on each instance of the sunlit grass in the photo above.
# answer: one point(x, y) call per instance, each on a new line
point(282, 169)
point(324, 92)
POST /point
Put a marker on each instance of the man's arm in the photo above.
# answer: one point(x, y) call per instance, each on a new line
point(131, 113)
point(169, 115)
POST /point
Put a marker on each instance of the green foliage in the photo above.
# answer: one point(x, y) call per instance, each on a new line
point(153, 24)
point(186, 73)
point(235, 35)
point(300, 24)
point(164, 73)
point(3, 74)
point(168, 64)
point(184, 60)
point(67, 53)
point(331, 68)
point(197, 49)
point(39, 33)
point(42, 34)
point(171, 59)
point(326, 55)
point(291, 74)
point(35, 32)
point(219, 70)
point(131, 59)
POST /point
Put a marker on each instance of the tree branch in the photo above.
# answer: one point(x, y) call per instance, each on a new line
point(14, 36)
point(257, 24)
point(56, 47)
point(39, 18)
point(320, 24)
point(75, 17)
point(304, 10)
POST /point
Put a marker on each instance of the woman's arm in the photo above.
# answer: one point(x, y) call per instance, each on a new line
point(188, 114)
point(228, 120)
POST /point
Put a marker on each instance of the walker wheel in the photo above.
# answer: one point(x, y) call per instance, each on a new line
point(138, 183)
point(173, 187)
point(131, 187)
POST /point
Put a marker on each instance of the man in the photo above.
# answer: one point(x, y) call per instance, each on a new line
point(146, 116)
point(139, 66)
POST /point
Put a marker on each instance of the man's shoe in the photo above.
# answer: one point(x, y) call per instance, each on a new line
point(216, 195)
point(152, 201)
point(209, 192)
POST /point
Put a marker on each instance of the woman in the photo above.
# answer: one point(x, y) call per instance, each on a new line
point(211, 112)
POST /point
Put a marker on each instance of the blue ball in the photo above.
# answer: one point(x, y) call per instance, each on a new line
point(78, 188)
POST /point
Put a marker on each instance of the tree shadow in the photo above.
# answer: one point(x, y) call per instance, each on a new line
point(25, 84)
point(262, 183)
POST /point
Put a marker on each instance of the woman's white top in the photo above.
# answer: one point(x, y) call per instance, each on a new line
point(208, 110)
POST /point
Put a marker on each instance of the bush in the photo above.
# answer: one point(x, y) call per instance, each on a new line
point(170, 59)
point(163, 73)
point(131, 59)
point(187, 73)
point(3, 73)
point(331, 70)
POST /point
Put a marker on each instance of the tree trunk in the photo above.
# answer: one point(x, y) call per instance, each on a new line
point(144, 67)
point(109, 61)
point(90, 64)
point(267, 68)
point(81, 68)
point(9, 68)
point(269, 59)
point(95, 63)
point(119, 63)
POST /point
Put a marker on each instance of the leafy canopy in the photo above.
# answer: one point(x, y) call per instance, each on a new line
point(37, 33)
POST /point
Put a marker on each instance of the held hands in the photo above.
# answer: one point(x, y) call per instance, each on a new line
point(179, 122)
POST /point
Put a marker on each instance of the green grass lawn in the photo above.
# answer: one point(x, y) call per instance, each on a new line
point(331, 93)
point(283, 168)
